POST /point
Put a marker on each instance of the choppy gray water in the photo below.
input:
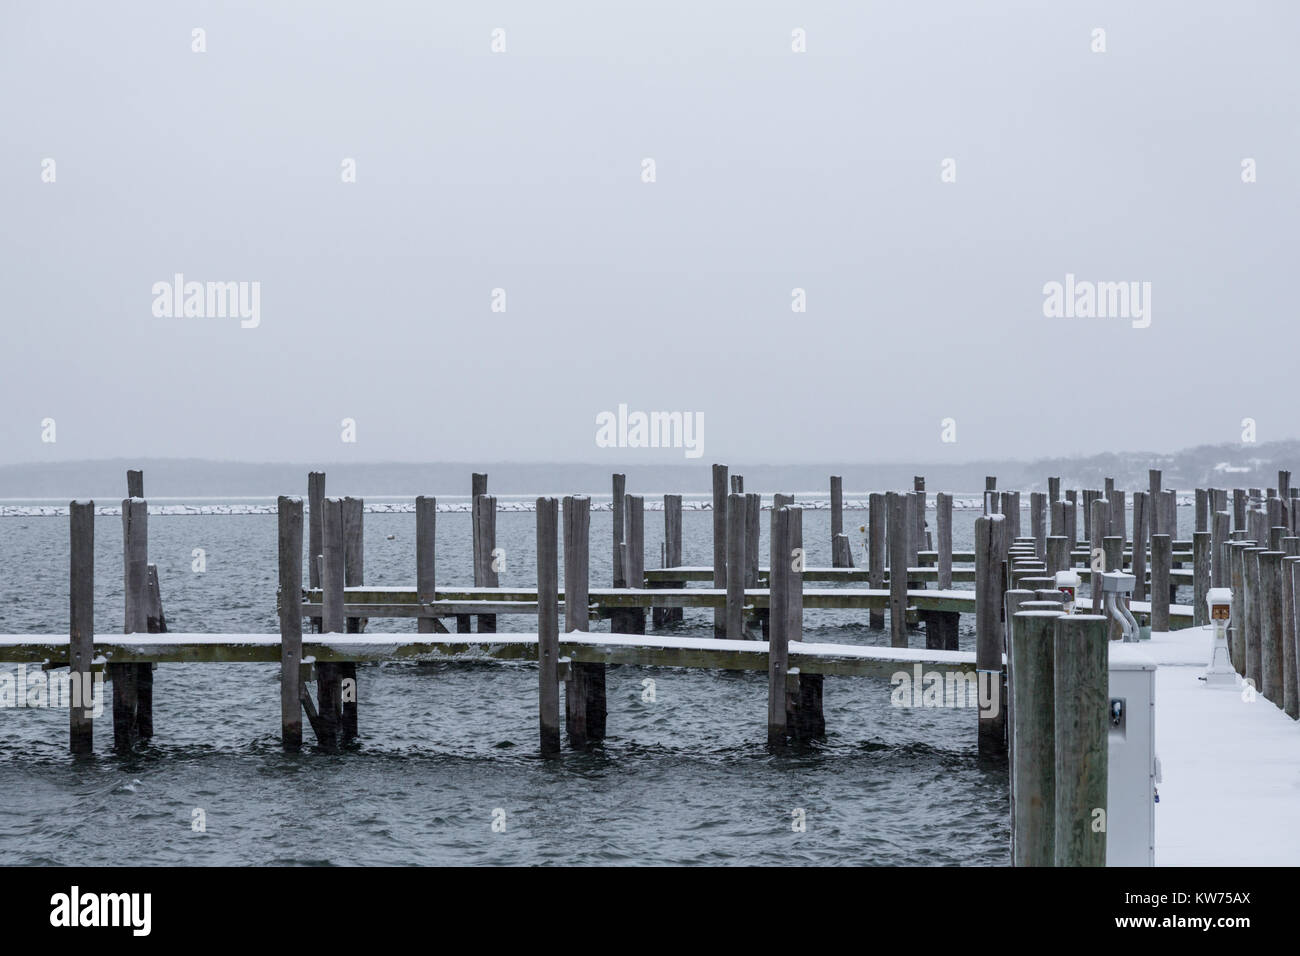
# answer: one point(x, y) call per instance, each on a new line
point(685, 779)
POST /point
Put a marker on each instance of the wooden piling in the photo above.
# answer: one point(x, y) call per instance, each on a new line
point(354, 575)
point(634, 561)
point(1254, 669)
point(779, 623)
point(806, 721)
point(1153, 497)
point(898, 546)
point(1161, 564)
point(920, 538)
point(315, 495)
point(736, 567)
point(1081, 729)
point(719, 544)
point(81, 627)
point(988, 629)
point(837, 514)
point(289, 511)
point(943, 518)
point(1058, 554)
point(125, 677)
point(1038, 522)
point(426, 552)
point(1237, 614)
point(1033, 783)
point(1290, 677)
point(1238, 509)
point(1219, 575)
point(672, 554)
point(1072, 517)
point(585, 705)
point(876, 519)
point(618, 509)
point(1141, 539)
point(1100, 514)
point(329, 679)
point(485, 536)
point(1201, 557)
point(1270, 620)
point(1202, 509)
point(548, 627)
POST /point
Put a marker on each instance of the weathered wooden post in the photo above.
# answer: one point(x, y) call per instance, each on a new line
point(584, 698)
point(1270, 619)
point(1141, 537)
point(125, 677)
point(1058, 554)
point(1202, 510)
point(1056, 515)
point(1237, 615)
point(921, 538)
point(736, 567)
point(837, 518)
point(1118, 515)
point(841, 552)
point(805, 700)
point(779, 625)
point(876, 518)
point(1155, 499)
point(329, 683)
point(1161, 564)
point(988, 630)
point(1081, 667)
point(1012, 600)
point(943, 508)
point(289, 510)
point(1290, 677)
point(1254, 668)
point(672, 555)
point(1072, 517)
point(737, 484)
point(426, 553)
point(753, 515)
point(485, 566)
point(719, 544)
point(618, 509)
point(898, 536)
point(1238, 509)
point(1089, 496)
point(354, 576)
point(634, 561)
point(1033, 785)
point(1100, 514)
point(548, 627)
point(1038, 523)
point(315, 496)
point(1219, 574)
point(1200, 577)
point(81, 627)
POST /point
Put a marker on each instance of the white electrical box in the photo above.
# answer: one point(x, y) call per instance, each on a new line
point(1132, 771)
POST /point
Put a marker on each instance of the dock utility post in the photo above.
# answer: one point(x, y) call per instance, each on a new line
point(1117, 587)
point(1220, 672)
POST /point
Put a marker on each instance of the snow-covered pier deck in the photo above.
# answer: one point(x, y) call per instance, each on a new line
point(1230, 764)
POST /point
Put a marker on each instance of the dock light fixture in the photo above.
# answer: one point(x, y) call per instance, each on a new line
point(1220, 672)
point(1117, 586)
point(1067, 582)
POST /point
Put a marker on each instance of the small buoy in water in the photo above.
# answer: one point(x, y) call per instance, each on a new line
point(391, 537)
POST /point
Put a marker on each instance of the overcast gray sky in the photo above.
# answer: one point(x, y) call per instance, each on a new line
point(522, 170)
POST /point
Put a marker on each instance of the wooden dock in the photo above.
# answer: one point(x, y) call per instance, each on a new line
point(757, 611)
